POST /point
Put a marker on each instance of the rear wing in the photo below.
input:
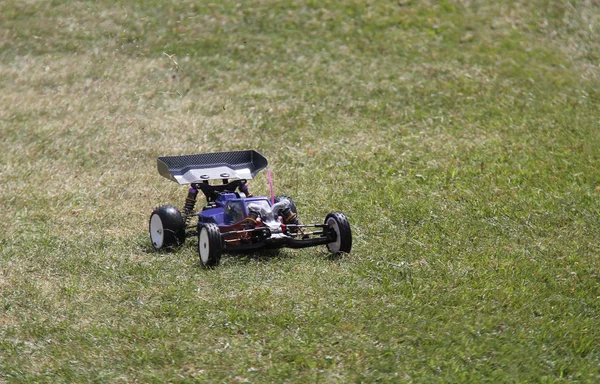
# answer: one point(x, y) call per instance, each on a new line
point(189, 169)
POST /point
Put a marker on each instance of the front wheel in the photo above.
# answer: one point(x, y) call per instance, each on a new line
point(167, 227)
point(210, 244)
point(338, 223)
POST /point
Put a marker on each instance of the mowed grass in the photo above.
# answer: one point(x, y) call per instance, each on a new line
point(460, 138)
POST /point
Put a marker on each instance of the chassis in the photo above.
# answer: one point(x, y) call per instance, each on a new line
point(233, 219)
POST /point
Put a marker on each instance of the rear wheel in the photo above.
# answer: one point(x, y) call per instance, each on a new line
point(167, 227)
point(210, 244)
point(338, 223)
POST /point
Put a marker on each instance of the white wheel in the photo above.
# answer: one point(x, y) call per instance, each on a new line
point(203, 245)
point(335, 246)
point(156, 231)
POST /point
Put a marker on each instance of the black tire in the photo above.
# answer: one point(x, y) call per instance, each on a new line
point(210, 245)
point(338, 222)
point(166, 227)
point(292, 204)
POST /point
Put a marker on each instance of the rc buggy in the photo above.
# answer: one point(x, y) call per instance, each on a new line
point(233, 219)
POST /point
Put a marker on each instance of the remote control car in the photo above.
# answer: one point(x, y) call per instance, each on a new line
point(232, 219)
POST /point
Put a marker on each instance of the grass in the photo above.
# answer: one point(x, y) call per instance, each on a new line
point(460, 138)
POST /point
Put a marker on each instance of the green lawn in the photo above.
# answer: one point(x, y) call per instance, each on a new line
point(461, 138)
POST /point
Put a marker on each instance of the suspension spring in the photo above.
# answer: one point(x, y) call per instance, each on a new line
point(190, 203)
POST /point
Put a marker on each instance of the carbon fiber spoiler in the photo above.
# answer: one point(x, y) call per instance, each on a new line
point(188, 169)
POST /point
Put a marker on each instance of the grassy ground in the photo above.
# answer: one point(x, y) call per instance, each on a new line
point(460, 138)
